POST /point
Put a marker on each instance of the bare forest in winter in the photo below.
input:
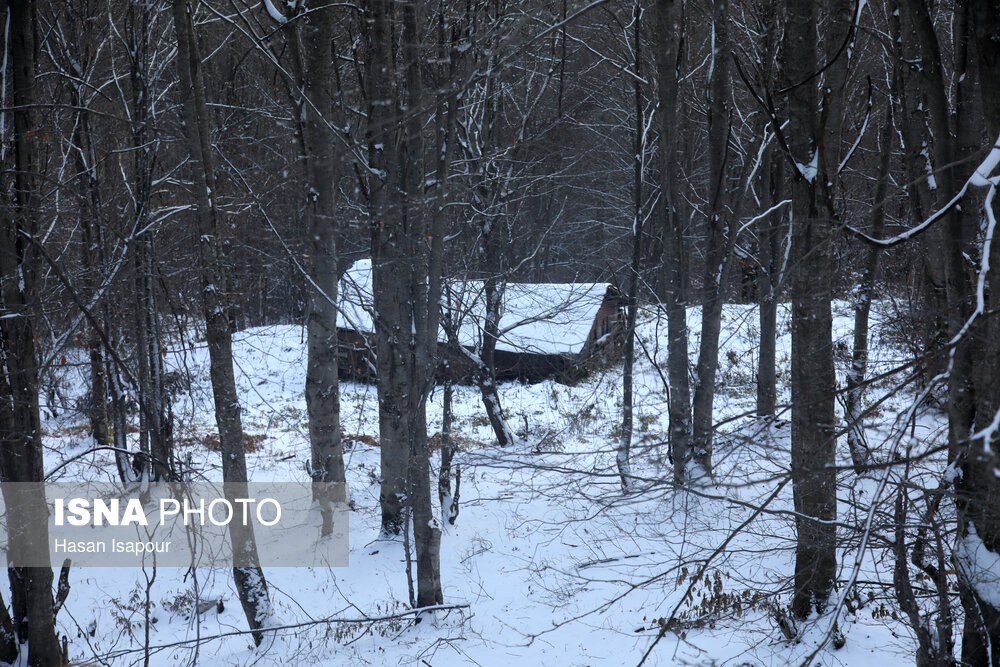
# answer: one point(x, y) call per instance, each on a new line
point(600, 332)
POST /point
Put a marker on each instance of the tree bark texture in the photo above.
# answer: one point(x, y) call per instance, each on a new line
point(249, 578)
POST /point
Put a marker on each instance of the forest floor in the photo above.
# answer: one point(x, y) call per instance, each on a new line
point(555, 564)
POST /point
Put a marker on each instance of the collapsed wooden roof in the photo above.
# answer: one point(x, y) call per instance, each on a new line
point(536, 318)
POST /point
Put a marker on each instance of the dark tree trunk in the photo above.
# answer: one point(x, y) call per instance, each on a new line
point(769, 286)
point(769, 246)
point(717, 252)
point(391, 268)
point(90, 220)
point(632, 296)
point(979, 487)
point(864, 293)
point(425, 299)
point(322, 382)
point(668, 30)
point(155, 413)
point(913, 124)
point(20, 422)
point(439, 196)
point(407, 287)
point(813, 382)
point(249, 578)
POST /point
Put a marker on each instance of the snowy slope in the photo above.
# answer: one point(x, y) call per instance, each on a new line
point(555, 566)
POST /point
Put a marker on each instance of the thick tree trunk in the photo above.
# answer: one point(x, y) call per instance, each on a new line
point(391, 269)
point(249, 578)
point(20, 422)
point(668, 29)
point(407, 285)
point(979, 487)
point(425, 299)
point(322, 381)
point(813, 382)
point(913, 107)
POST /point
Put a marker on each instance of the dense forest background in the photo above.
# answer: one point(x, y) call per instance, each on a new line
point(178, 172)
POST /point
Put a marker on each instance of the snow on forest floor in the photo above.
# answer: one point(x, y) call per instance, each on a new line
point(557, 567)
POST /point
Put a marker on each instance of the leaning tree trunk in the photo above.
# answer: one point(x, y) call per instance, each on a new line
point(486, 375)
point(249, 578)
point(813, 382)
point(668, 29)
point(322, 381)
point(20, 422)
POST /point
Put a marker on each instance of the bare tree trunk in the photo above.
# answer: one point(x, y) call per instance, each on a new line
point(913, 122)
point(769, 285)
point(632, 297)
point(322, 381)
point(90, 218)
point(406, 273)
point(447, 499)
point(424, 309)
point(769, 247)
point(391, 269)
point(493, 292)
point(20, 422)
point(978, 486)
point(158, 407)
point(813, 382)
point(836, 52)
point(8, 637)
point(718, 251)
point(668, 59)
point(153, 429)
point(154, 415)
point(447, 109)
point(931, 651)
point(863, 295)
point(90, 222)
point(249, 578)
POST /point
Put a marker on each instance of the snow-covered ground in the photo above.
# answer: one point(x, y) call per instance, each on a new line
point(554, 566)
